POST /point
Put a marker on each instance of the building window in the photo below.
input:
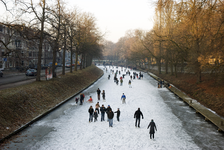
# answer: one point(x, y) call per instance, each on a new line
point(10, 64)
point(1, 28)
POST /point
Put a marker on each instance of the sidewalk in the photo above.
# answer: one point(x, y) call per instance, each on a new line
point(9, 73)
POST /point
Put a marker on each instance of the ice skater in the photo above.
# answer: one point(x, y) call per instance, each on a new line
point(110, 116)
point(102, 110)
point(90, 99)
point(129, 83)
point(97, 107)
point(77, 100)
point(138, 115)
point(98, 93)
point(118, 114)
point(82, 96)
point(103, 94)
point(152, 129)
point(91, 114)
point(123, 98)
point(121, 81)
point(95, 115)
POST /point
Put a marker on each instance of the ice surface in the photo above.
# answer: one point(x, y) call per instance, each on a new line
point(74, 132)
point(68, 127)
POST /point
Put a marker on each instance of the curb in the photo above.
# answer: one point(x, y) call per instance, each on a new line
point(47, 112)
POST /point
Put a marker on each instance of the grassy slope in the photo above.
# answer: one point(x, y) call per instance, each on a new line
point(21, 104)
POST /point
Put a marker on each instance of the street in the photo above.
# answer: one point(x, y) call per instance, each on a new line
point(16, 79)
point(68, 127)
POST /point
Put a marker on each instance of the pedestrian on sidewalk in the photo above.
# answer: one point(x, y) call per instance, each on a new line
point(91, 114)
point(110, 116)
point(152, 129)
point(118, 114)
point(98, 93)
point(102, 110)
point(123, 98)
point(138, 115)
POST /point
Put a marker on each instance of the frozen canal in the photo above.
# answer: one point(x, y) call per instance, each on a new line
point(68, 128)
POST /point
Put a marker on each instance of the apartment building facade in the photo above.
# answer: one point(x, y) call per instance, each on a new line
point(17, 52)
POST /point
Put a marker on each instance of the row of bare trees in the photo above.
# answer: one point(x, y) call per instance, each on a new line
point(186, 33)
point(65, 30)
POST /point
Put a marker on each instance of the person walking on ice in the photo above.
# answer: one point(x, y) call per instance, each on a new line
point(91, 114)
point(118, 114)
point(98, 93)
point(102, 110)
point(95, 115)
point(110, 116)
point(138, 115)
point(123, 98)
point(152, 129)
point(129, 83)
point(90, 99)
point(103, 94)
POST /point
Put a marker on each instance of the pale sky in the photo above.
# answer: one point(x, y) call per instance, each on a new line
point(114, 17)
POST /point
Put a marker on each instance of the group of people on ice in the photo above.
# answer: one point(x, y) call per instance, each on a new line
point(102, 110)
point(110, 115)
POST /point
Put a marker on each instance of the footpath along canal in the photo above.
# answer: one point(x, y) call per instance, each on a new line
point(68, 127)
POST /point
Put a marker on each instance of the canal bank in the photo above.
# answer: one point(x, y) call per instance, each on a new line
point(208, 114)
point(29, 104)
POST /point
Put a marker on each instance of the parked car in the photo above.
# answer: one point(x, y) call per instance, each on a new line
point(31, 72)
point(67, 65)
point(1, 73)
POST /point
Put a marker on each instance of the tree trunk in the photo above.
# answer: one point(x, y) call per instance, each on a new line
point(171, 67)
point(175, 68)
point(81, 63)
point(54, 60)
point(40, 44)
point(71, 62)
point(76, 59)
point(64, 50)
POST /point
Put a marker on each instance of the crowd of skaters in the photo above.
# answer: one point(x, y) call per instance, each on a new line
point(102, 110)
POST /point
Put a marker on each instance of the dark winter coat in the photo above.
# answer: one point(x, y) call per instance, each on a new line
point(152, 126)
point(103, 95)
point(110, 115)
point(95, 114)
point(81, 97)
point(91, 111)
point(98, 91)
point(138, 114)
point(118, 113)
point(103, 109)
point(108, 109)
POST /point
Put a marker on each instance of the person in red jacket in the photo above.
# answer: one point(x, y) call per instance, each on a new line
point(90, 99)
